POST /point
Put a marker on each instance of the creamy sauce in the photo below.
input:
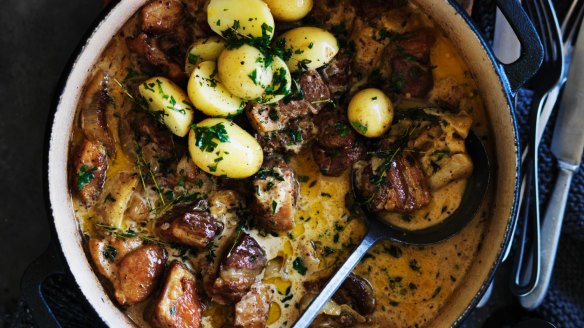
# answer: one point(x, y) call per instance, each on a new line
point(411, 283)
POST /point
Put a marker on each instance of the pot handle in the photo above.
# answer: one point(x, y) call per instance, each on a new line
point(48, 264)
point(529, 61)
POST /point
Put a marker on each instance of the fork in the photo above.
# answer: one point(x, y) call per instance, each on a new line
point(525, 270)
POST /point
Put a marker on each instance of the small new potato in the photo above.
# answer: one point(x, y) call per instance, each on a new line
point(289, 10)
point(246, 17)
point(312, 47)
point(169, 102)
point(203, 50)
point(281, 83)
point(370, 113)
point(209, 95)
point(221, 148)
point(243, 73)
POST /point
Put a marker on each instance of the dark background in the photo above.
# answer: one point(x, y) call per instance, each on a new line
point(37, 38)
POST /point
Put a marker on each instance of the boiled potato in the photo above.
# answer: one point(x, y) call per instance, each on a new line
point(243, 72)
point(170, 104)
point(209, 95)
point(281, 82)
point(311, 47)
point(203, 50)
point(370, 112)
point(245, 17)
point(289, 10)
point(220, 147)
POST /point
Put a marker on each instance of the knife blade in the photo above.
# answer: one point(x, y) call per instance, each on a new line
point(567, 147)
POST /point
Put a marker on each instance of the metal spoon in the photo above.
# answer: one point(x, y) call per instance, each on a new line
point(380, 230)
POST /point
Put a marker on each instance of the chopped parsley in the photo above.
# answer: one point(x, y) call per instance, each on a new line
point(302, 178)
point(206, 136)
point(84, 176)
point(298, 265)
point(414, 265)
point(192, 58)
point(274, 206)
point(110, 253)
point(342, 128)
point(254, 76)
point(295, 137)
point(359, 126)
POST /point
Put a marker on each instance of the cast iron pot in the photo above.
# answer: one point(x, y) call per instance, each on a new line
point(497, 83)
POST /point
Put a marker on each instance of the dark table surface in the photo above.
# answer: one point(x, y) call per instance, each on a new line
point(37, 38)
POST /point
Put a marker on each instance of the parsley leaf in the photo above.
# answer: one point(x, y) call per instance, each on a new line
point(206, 136)
point(298, 265)
point(84, 176)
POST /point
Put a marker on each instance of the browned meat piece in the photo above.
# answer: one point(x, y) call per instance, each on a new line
point(252, 310)
point(417, 44)
point(274, 200)
point(240, 265)
point(337, 74)
point(334, 15)
point(369, 48)
point(314, 88)
point(411, 77)
point(93, 114)
point(264, 117)
point(89, 169)
point(161, 16)
point(187, 224)
point(155, 141)
point(355, 292)
point(138, 274)
point(107, 253)
point(294, 138)
point(334, 131)
point(403, 187)
point(150, 49)
point(373, 8)
point(447, 93)
point(333, 162)
point(409, 68)
point(178, 304)
point(336, 147)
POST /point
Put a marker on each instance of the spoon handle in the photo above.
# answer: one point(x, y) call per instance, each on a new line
point(337, 280)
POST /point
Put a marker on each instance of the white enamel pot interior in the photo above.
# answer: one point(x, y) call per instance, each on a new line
point(493, 89)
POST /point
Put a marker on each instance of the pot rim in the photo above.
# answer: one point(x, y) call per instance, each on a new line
point(115, 13)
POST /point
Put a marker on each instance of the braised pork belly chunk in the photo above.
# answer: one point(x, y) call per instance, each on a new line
point(240, 265)
point(336, 147)
point(132, 268)
point(400, 187)
point(179, 304)
point(275, 193)
point(90, 166)
point(252, 310)
point(354, 300)
point(188, 225)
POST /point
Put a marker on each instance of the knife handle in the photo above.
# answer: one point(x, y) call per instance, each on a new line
point(550, 236)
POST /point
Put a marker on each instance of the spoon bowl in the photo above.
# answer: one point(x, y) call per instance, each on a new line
point(379, 229)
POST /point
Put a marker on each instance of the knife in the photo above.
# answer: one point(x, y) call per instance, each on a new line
point(567, 146)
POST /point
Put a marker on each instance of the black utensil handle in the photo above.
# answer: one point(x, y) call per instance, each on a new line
point(48, 264)
point(531, 56)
